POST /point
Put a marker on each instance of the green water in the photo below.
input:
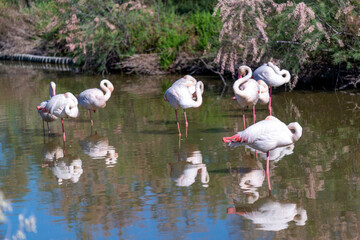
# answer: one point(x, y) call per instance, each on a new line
point(127, 178)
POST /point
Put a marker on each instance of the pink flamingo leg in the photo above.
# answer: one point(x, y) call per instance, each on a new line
point(244, 118)
point(270, 100)
point(267, 170)
point(254, 114)
point(63, 129)
point(44, 127)
point(177, 122)
point(186, 122)
point(91, 117)
point(48, 127)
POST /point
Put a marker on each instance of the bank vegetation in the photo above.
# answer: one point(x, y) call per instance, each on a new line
point(318, 41)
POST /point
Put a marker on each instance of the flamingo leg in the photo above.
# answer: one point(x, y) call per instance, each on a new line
point(91, 117)
point(48, 127)
point(177, 122)
point(270, 101)
point(254, 114)
point(44, 127)
point(63, 129)
point(267, 170)
point(186, 122)
point(244, 118)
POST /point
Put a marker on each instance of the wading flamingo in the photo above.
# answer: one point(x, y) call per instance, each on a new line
point(63, 106)
point(94, 98)
point(47, 117)
point(246, 91)
point(272, 76)
point(181, 95)
point(267, 135)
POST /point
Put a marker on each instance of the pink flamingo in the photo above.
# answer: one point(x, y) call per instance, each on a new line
point(181, 95)
point(94, 98)
point(63, 106)
point(267, 135)
point(246, 91)
point(47, 117)
point(272, 76)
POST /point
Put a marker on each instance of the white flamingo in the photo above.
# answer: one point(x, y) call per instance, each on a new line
point(246, 91)
point(267, 135)
point(94, 98)
point(181, 95)
point(263, 92)
point(47, 117)
point(272, 76)
point(63, 106)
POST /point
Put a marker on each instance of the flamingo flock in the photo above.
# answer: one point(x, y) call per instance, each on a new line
point(250, 89)
point(66, 105)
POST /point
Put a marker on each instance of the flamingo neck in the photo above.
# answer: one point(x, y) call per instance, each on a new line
point(108, 88)
point(297, 131)
point(199, 89)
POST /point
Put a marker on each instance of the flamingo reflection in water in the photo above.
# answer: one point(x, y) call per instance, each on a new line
point(98, 147)
point(249, 178)
point(276, 154)
point(267, 135)
point(269, 214)
point(54, 158)
point(184, 93)
point(184, 172)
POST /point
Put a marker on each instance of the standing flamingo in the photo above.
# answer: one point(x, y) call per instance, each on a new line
point(94, 98)
point(246, 91)
point(272, 76)
point(181, 95)
point(267, 135)
point(63, 106)
point(47, 117)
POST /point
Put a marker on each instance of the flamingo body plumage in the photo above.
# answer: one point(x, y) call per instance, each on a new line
point(181, 95)
point(272, 75)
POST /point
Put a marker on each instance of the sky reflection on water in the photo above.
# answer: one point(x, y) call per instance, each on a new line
point(127, 178)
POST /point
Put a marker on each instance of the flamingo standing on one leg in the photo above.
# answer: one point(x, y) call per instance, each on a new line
point(63, 106)
point(181, 95)
point(267, 135)
point(246, 91)
point(272, 76)
point(94, 98)
point(47, 117)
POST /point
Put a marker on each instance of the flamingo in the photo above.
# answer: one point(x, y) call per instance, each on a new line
point(272, 76)
point(94, 98)
point(46, 117)
point(181, 95)
point(265, 136)
point(246, 91)
point(63, 106)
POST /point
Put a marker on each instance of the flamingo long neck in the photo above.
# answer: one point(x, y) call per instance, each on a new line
point(284, 74)
point(297, 133)
point(108, 88)
point(72, 103)
point(52, 89)
point(242, 80)
point(199, 89)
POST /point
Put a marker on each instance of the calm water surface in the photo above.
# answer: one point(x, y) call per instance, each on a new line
point(127, 178)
